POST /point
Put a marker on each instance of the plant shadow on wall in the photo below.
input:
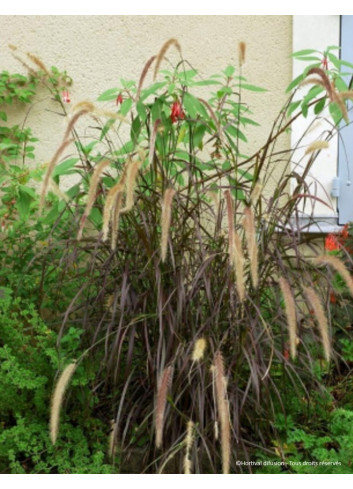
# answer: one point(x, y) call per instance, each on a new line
point(204, 311)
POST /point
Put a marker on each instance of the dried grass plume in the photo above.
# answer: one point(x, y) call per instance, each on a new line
point(339, 266)
point(162, 52)
point(161, 401)
point(199, 350)
point(223, 410)
point(250, 238)
point(289, 304)
point(321, 319)
point(58, 398)
point(165, 220)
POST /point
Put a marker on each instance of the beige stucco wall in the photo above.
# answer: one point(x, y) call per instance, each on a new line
point(98, 50)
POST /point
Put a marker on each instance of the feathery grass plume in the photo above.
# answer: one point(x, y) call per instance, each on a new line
point(325, 81)
point(214, 118)
point(115, 219)
point(165, 220)
point(38, 62)
point(289, 304)
point(230, 217)
point(153, 141)
point(58, 398)
point(131, 175)
point(316, 145)
point(112, 445)
point(162, 52)
point(143, 76)
point(65, 142)
point(346, 95)
point(161, 401)
point(331, 91)
point(250, 235)
point(91, 196)
point(340, 102)
point(188, 444)
point(238, 264)
point(256, 192)
point(74, 118)
point(109, 204)
point(199, 350)
point(321, 319)
point(313, 81)
point(47, 178)
point(223, 410)
point(339, 266)
point(241, 52)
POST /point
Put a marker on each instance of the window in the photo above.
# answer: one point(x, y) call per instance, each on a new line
point(345, 142)
point(332, 172)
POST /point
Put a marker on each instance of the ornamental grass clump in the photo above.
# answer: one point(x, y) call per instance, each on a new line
point(202, 247)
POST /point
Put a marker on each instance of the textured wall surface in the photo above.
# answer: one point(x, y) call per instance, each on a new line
point(98, 50)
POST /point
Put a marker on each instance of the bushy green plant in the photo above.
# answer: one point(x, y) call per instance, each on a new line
point(201, 248)
point(29, 361)
point(181, 315)
point(327, 449)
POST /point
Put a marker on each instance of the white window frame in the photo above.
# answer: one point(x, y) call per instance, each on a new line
point(316, 32)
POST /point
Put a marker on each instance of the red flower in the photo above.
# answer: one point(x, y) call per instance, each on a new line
point(119, 99)
point(333, 298)
point(324, 63)
point(66, 97)
point(177, 112)
point(331, 243)
point(344, 232)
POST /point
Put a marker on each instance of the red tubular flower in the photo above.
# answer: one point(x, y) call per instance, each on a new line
point(333, 298)
point(119, 99)
point(324, 63)
point(331, 243)
point(177, 112)
point(344, 232)
point(66, 97)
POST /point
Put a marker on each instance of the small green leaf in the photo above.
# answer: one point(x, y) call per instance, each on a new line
point(295, 82)
point(194, 107)
point(153, 89)
point(309, 58)
point(141, 110)
point(303, 52)
point(253, 88)
point(335, 112)
point(125, 106)
point(3, 116)
point(110, 94)
point(319, 106)
point(23, 203)
point(205, 83)
point(63, 168)
point(229, 71)
point(198, 135)
point(293, 106)
point(334, 60)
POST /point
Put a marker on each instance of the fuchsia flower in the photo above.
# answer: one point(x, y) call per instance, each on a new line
point(177, 112)
point(119, 99)
point(324, 63)
point(66, 97)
